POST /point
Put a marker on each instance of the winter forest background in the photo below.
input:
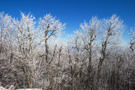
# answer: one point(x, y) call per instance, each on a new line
point(34, 55)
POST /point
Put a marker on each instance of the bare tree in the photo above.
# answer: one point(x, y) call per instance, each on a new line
point(26, 42)
point(112, 31)
point(91, 31)
point(88, 34)
point(50, 27)
point(5, 26)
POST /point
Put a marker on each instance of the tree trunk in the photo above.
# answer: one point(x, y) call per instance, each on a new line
point(46, 51)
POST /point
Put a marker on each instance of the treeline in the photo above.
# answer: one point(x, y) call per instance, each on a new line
point(94, 59)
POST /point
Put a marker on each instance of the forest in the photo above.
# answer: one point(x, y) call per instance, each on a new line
point(34, 55)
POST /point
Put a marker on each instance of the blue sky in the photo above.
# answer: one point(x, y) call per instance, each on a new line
point(73, 12)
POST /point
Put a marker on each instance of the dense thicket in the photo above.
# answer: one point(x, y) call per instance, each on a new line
point(94, 58)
